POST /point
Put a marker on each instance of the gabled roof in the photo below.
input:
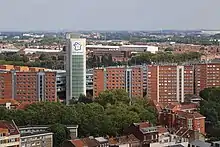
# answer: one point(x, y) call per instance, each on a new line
point(10, 126)
point(77, 143)
point(24, 105)
point(189, 106)
point(192, 115)
point(101, 139)
point(123, 140)
point(142, 124)
point(12, 101)
point(90, 142)
point(162, 129)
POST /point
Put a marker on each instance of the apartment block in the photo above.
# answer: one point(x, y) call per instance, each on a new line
point(206, 76)
point(169, 83)
point(128, 78)
point(28, 86)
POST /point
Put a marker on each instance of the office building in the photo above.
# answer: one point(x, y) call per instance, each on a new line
point(127, 78)
point(75, 67)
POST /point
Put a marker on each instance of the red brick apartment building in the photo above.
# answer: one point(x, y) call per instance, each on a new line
point(169, 83)
point(206, 75)
point(162, 83)
point(128, 78)
point(28, 86)
point(178, 116)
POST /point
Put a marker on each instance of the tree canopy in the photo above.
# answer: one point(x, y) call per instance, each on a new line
point(95, 118)
point(210, 108)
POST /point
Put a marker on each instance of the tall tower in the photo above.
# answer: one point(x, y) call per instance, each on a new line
point(75, 67)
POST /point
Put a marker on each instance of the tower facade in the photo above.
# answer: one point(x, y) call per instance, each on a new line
point(75, 67)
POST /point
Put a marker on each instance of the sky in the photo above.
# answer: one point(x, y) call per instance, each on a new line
point(42, 15)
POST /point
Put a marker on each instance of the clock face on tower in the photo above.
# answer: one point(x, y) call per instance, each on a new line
point(77, 46)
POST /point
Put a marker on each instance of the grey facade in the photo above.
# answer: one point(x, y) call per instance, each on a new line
point(75, 68)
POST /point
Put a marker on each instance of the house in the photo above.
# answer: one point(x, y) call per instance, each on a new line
point(176, 116)
point(124, 141)
point(144, 132)
point(9, 103)
point(73, 143)
point(102, 141)
point(9, 134)
point(90, 142)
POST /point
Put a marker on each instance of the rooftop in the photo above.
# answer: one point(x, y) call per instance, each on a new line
point(10, 126)
point(200, 143)
point(36, 133)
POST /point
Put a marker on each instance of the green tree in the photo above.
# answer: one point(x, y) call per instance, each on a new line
point(60, 134)
point(112, 97)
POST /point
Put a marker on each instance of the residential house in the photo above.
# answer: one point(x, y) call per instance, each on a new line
point(102, 141)
point(9, 134)
point(90, 142)
point(144, 132)
point(73, 143)
point(175, 116)
point(9, 103)
point(124, 141)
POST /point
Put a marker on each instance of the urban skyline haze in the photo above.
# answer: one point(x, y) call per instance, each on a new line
point(42, 15)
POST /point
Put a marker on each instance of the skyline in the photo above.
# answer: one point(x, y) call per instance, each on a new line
point(148, 15)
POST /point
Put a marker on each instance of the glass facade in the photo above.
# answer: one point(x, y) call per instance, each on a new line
point(77, 75)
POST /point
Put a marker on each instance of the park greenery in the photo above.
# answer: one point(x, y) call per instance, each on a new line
point(109, 114)
point(44, 60)
point(165, 57)
point(210, 108)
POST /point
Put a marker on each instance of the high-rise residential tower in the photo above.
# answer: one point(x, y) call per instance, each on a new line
point(75, 67)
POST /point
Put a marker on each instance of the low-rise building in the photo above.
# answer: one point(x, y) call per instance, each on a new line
point(41, 128)
point(124, 141)
point(9, 134)
point(37, 139)
point(177, 116)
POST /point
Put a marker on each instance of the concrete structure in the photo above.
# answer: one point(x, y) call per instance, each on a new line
point(139, 48)
point(37, 139)
point(9, 134)
point(127, 78)
point(42, 128)
point(75, 67)
point(89, 79)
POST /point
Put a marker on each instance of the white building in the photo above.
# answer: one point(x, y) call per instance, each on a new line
point(139, 48)
point(75, 67)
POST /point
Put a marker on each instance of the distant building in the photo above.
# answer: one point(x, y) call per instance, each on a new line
point(75, 67)
point(139, 48)
point(9, 134)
